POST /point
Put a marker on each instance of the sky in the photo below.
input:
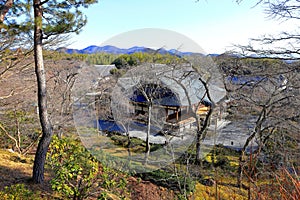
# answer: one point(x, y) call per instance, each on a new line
point(214, 25)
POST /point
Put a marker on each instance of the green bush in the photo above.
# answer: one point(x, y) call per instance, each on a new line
point(74, 167)
point(18, 192)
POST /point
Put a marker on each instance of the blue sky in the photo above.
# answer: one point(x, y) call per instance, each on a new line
point(213, 24)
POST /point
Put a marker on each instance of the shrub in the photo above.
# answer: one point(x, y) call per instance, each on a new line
point(74, 167)
point(18, 192)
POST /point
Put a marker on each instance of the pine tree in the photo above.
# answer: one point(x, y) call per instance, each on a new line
point(49, 20)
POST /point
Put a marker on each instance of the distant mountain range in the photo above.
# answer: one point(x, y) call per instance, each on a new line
point(115, 50)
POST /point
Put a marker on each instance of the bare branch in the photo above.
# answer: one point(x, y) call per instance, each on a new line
point(4, 10)
point(7, 96)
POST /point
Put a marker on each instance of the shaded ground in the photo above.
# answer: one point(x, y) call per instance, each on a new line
point(13, 169)
point(16, 169)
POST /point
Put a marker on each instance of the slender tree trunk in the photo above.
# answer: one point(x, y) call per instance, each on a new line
point(40, 155)
point(148, 133)
point(202, 133)
point(257, 131)
point(128, 144)
point(240, 169)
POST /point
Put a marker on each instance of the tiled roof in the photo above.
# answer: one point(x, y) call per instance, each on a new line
point(174, 86)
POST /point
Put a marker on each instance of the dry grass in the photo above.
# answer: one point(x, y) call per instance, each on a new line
point(219, 192)
point(14, 168)
point(17, 169)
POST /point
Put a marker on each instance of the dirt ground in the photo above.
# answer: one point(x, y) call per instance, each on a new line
point(145, 190)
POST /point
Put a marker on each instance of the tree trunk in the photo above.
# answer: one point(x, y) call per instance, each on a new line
point(40, 155)
point(201, 134)
point(240, 170)
point(147, 152)
point(257, 131)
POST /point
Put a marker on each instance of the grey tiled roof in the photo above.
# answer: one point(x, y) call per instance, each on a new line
point(183, 81)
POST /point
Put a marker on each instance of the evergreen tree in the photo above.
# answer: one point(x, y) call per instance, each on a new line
point(44, 21)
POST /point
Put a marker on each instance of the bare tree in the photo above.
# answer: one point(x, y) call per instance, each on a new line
point(61, 80)
point(21, 127)
point(284, 45)
point(268, 90)
point(276, 109)
point(145, 92)
point(18, 117)
point(214, 92)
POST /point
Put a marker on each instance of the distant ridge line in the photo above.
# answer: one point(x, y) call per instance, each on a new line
point(115, 50)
